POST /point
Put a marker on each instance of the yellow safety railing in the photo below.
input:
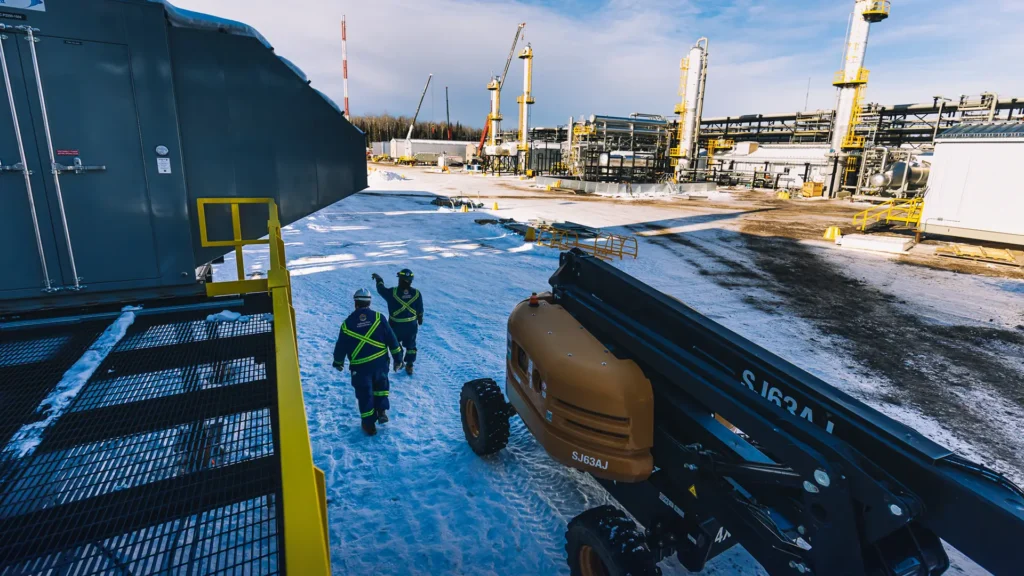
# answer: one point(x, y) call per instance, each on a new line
point(303, 487)
point(861, 77)
point(603, 245)
point(904, 211)
point(878, 9)
point(240, 286)
point(853, 141)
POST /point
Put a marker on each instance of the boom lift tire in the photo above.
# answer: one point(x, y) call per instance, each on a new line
point(604, 541)
point(485, 416)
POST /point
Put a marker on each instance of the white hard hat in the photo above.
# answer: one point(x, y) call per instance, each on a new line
point(362, 295)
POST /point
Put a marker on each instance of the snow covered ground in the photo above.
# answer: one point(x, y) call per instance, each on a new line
point(415, 499)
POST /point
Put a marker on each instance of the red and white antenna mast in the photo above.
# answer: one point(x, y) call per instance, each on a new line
point(344, 63)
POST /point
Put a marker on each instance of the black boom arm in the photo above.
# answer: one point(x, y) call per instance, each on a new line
point(806, 477)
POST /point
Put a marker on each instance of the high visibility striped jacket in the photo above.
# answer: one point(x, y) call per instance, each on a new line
point(366, 339)
point(404, 304)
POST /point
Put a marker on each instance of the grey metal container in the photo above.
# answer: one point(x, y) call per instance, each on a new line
point(157, 107)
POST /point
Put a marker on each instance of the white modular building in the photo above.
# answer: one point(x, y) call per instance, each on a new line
point(976, 189)
point(428, 150)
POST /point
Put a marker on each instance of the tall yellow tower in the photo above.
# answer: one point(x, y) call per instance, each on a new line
point(524, 105)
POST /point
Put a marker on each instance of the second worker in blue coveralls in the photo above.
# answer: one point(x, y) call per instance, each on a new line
point(365, 339)
point(405, 312)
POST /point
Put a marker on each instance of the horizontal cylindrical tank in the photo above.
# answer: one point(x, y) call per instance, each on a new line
point(902, 173)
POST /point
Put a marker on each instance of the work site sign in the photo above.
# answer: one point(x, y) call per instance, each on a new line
point(24, 4)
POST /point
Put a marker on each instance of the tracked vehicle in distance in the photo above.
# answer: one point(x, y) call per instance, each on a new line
point(709, 441)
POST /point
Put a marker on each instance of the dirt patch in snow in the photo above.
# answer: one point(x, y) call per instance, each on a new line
point(966, 377)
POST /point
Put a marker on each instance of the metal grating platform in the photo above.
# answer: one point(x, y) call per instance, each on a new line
point(166, 461)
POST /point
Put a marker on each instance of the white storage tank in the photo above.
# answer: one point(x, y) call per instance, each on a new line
point(976, 189)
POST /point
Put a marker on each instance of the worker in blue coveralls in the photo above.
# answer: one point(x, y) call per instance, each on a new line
point(365, 339)
point(405, 312)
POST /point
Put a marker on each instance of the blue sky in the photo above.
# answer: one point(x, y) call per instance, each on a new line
point(622, 56)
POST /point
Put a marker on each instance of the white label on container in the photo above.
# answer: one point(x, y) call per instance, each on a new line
point(163, 165)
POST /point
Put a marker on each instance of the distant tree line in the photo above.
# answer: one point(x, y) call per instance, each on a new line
point(384, 127)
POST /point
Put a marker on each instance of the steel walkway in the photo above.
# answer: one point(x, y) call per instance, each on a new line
point(186, 450)
point(165, 461)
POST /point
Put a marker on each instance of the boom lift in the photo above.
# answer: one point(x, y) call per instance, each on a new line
point(709, 440)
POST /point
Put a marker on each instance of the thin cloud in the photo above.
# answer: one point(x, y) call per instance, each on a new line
point(622, 56)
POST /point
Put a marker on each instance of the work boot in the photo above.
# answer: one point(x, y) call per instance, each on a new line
point(408, 369)
point(382, 416)
point(370, 428)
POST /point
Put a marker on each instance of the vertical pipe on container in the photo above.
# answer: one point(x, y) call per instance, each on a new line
point(938, 122)
point(49, 148)
point(24, 162)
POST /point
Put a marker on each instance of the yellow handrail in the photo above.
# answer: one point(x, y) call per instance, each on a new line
point(860, 77)
point(878, 8)
point(894, 210)
point(304, 499)
point(603, 245)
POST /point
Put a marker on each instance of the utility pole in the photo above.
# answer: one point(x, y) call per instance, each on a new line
point(344, 63)
point(447, 114)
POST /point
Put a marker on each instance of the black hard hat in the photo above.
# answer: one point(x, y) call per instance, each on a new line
point(405, 273)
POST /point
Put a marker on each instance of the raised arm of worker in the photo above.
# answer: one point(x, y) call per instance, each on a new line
point(383, 290)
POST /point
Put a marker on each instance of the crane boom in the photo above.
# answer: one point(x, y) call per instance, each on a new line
point(511, 54)
point(417, 114)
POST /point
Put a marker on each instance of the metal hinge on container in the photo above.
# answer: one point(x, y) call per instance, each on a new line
point(77, 167)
